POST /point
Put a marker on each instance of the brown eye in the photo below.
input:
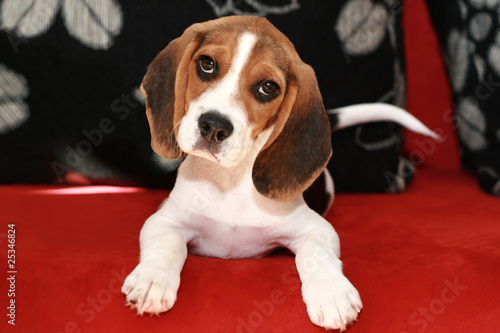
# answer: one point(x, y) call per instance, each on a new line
point(269, 88)
point(207, 64)
point(207, 68)
point(265, 91)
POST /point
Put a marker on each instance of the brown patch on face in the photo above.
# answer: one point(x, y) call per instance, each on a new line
point(217, 47)
point(297, 156)
point(300, 145)
point(262, 109)
point(159, 86)
point(268, 64)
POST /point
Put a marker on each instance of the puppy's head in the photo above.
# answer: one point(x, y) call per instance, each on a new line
point(233, 87)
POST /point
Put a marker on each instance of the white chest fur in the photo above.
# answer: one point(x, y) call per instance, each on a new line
point(222, 213)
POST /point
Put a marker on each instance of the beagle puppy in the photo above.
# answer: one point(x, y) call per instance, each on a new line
point(234, 98)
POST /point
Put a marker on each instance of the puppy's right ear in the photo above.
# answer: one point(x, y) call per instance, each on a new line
point(165, 88)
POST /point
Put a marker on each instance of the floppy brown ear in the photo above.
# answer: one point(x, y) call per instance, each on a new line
point(165, 87)
point(300, 144)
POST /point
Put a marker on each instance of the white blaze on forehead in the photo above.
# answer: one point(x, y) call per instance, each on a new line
point(244, 48)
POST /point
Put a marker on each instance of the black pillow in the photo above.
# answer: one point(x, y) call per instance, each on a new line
point(71, 111)
point(469, 32)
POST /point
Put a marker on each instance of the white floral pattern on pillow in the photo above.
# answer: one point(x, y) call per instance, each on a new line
point(94, 23)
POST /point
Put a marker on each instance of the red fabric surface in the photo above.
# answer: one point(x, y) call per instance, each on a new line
point(402, 252)
point(428, 91)
point(423, 261)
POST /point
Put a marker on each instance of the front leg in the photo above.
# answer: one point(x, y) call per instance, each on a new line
point(331, 300)
point(152, 286)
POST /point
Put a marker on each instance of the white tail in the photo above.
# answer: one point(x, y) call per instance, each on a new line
point(373, 112)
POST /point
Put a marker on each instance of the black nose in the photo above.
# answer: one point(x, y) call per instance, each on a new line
point(214, 127)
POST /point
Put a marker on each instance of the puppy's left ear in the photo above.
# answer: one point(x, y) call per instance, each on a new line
point(165, 85)
point(300, 145)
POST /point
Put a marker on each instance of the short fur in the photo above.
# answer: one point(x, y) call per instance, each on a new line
point(233, 96)
point(239, 193)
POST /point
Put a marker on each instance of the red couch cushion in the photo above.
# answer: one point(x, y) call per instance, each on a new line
point(425, 260)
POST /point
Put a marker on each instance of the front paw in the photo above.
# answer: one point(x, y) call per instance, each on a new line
point(151, 289)
point(331, 302)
